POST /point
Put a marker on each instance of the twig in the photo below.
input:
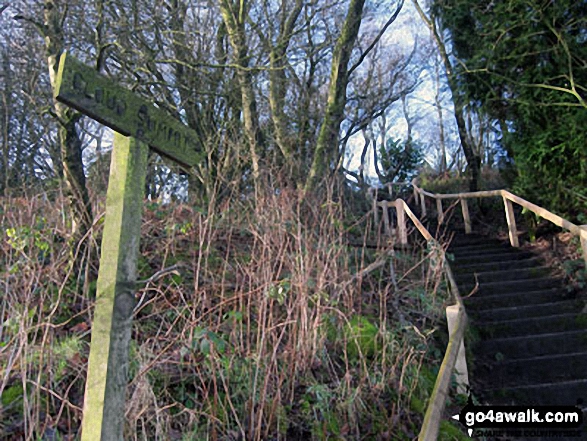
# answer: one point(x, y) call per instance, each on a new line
point(370, 268)
point(158, 275)
point(161, 273)
point(56, 395)
point(475, 288)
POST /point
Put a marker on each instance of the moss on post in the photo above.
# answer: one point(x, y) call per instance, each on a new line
point(111, 329)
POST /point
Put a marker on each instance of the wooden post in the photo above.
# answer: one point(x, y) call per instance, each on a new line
point(439, 211)
point(81, 87)
point(401, 222)
point(111, 329)
point(511, 220)
point(435, 410)
point(386, 222)
point(461, 372)
point(466, 218)
point(376, 214)
point(423, 204)
point(584, 243)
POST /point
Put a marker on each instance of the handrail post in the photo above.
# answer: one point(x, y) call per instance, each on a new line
point(511, 220)
point(461, 372)
point(376, 214)
point(466, 217)
point(401, 222)
point(439, 211)
point(423, 204)
point(386, 218)
point(435, 410)
point(584, 244)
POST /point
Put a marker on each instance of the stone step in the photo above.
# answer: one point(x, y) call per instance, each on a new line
point(532, 326)
point(536, 370)
point(502, 275)
point(465, 253)
point(502, 300)
point(531, 346)
point(477, 248)
point(509, 286)
point(494, 256)
point(459, 239)
point(513, 348)
point(547, 394)
point(527, 310)
point(498, 266)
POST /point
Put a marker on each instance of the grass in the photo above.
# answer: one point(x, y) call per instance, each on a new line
point(255, 320)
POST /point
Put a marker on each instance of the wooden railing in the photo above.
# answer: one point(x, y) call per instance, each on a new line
point(454, 356)
point(456, 318)
point(508, 200)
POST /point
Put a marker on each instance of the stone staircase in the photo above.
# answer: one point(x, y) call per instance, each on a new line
point(532, 336)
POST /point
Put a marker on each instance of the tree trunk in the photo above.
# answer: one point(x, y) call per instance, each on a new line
point(5, 111)
point(473, 161)
point(234, 19)
point(70, 142)
point(438, 105)
point(278, 80)
point(326, 152)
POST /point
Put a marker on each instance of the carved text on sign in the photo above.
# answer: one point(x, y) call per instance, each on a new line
point(96, 96)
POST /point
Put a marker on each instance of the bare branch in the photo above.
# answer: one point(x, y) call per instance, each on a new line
point(38, 26)
point(377, 38)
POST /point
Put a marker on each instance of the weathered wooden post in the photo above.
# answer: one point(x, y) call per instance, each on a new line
point(423, 204)
point(111, 327)
point(386, 222)
point(511, 220)
point(439, 211)
point(466, 217)
point(584, 243)
point(138, 125)
point(453, 315)
point(401, 222)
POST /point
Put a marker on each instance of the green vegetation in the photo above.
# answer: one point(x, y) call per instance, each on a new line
point(260, 329)
point(522, 65)
point(265, 306)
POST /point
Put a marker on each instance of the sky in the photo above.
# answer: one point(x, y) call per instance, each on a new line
point(402, 35)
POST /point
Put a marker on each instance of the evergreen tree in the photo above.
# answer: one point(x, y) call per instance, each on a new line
point(523, 64)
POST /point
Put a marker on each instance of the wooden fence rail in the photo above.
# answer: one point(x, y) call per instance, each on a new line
point(508, 200)
point(454, 357)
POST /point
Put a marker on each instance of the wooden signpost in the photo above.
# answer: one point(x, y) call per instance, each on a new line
point(138, 126)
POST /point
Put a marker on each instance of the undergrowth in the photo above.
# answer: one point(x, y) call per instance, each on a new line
point(278, 318)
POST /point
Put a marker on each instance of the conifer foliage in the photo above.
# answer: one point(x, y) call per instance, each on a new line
point(523, 64)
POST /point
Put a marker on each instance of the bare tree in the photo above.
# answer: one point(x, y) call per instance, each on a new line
point(51, 29)
point(235, 15)
point(473, 160)
point(327, 143)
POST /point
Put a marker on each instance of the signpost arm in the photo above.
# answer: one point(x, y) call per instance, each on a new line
point(111, 330)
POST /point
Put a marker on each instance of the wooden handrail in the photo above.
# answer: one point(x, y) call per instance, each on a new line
point(457, 322)
point(542, 212)
point(421, 228)
point(508, 198)
point(435, 409)
point(455, 353)
point(476, 194)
